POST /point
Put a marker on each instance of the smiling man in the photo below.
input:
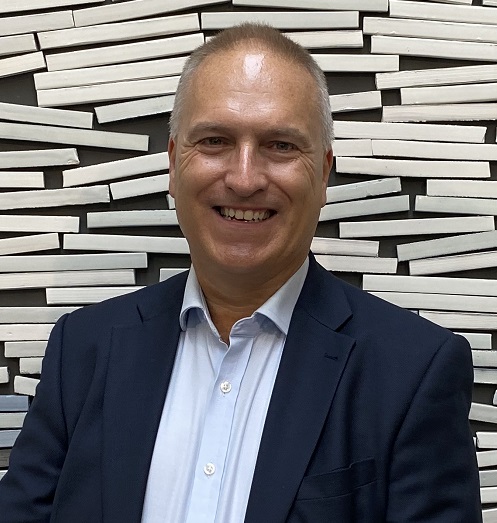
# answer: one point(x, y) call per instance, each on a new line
point(257, 387)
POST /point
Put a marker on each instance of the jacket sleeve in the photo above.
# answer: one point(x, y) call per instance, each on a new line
point(27, 490)
point(433, 473)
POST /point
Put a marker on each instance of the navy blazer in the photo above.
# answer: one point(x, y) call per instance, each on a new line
point(368, 420)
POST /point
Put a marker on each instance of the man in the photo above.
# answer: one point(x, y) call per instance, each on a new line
point(258, 388)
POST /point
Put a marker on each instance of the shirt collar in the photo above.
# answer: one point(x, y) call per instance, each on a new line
point(278, 308)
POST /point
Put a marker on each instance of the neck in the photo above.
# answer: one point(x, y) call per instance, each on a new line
point(231, 297)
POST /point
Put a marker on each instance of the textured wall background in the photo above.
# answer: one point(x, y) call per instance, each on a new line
point(413, 88)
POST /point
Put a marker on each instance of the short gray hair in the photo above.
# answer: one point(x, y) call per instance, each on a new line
point(273, 40)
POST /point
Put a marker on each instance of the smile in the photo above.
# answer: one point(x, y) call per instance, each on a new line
point(244, 215)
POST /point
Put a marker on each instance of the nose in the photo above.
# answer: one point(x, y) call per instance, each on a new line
point(247, 175)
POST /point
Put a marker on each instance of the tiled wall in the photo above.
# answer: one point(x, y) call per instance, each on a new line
point(85, 93)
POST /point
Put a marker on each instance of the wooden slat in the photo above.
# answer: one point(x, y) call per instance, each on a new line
point(335, 63)
point(32, 314)
point(166, 273)
point(13, 403)
point(140, 186)
point(327, 39)
point(73, 262)
point(355, 101)
point(12, 420)
point(478, 340)
point(22, 180)
point(134, 109)
point(362, 148)
point(25, 349)
point(488, 478)
point(462, 188)
point(413, 168)
point(121, 242)
point(110, 73)
point(73, 136)
point(282, 19)
point(115, 54)
point(451, 205)
point(484, 358)
point(462, 320)
point(154, 218)
point(359, 5)
point(85, 295)
point(25, 63)
point(25, 331)
point(409, 131)
point(17, 44)
point(116, 169)
point(358, 190)
point(25, 385)
point(440, 113)
point(14, 6)
point(412, 227)
point(337, 211)
point(30, 223)
point(41, 115)
point(30, 365)
point(42, 158)
point(449, 94)
point(448, 245)
point(459, 262)
point(33, 23)
point(119, 32)
point(107, 92)
point(54, 197)
point(339, 247)
point(358, 264)
point(30, 243)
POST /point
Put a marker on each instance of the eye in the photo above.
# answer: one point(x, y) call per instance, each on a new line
point(283, 146)
point(212, 141)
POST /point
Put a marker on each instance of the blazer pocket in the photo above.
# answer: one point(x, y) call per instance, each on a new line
point(338, 482)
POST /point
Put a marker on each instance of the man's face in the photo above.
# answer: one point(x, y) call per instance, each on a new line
point(247, 169)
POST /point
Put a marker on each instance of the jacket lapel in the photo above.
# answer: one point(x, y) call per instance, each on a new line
point(140, 365)
point(313, 360)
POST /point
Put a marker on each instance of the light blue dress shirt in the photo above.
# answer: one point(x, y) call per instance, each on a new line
point(211, 426)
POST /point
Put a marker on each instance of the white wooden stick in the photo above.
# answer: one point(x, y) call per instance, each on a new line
point(459, 262)
point(359, 5)
point(455, 205)
point(356, 191)
point(356, 148)
point(31, 243)
point(119, 32)
point(14, 6)
point(25, 331)
point(440, 113)
point(448, 245)
point(462, 188)
point(4, 374)
point(432, 48)
point(32, 314)
point(34, 23)
point(355, 101)
point(42, 158)
point(85, 295)
point(491, 3)
point(462, 320)
point(54, 197)
point(332, 63)
point(340, 247)
point(134, 109)
point(444, 302)
point(25, 349)
point(170, 201)
point(25, 385)
point(41, 115)
point(25, 63)
point(406, 27)
point(8, 437)
point(30, 365)
point(447, 13)
point(131, 219)
point(488, 478)
point(487, 458)
point(409, 131)
point(119, 242)
point(34, 280)
point(134, 9)
point(413, 168)
point(484, 358)
point(478, 340)
point(449, 94)
point(22, 179)
point(12, 420)
point(17, 44)
point(13, 403)
point(431, 284)
point(337, 211)
point(116, 54)
point(140, 186)
point(167, 273)
point(436, 76)
point(412, 227)
point(282, 19)
point(29, 223)
point(465, 2)
point(327, 39)
point(110, 73)
point(358, 264)
point(117, 169)
point(73, 262)
point(72, 136)
point(485, 376)
point(107, 92)
point(435, 150)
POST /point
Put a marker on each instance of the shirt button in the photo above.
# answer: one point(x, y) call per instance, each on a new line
point(225, 387)
point(209, 469)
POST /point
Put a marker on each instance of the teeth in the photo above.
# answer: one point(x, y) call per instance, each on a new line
point(248, 216)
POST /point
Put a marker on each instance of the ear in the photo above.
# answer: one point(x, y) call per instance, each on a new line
point(327, 165)
point(171, 149)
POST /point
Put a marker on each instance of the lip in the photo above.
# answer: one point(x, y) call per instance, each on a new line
point(244, 223)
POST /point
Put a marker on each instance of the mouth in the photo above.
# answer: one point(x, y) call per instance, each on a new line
point(245, 215)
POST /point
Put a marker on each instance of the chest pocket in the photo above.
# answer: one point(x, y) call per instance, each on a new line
point(344, 495)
